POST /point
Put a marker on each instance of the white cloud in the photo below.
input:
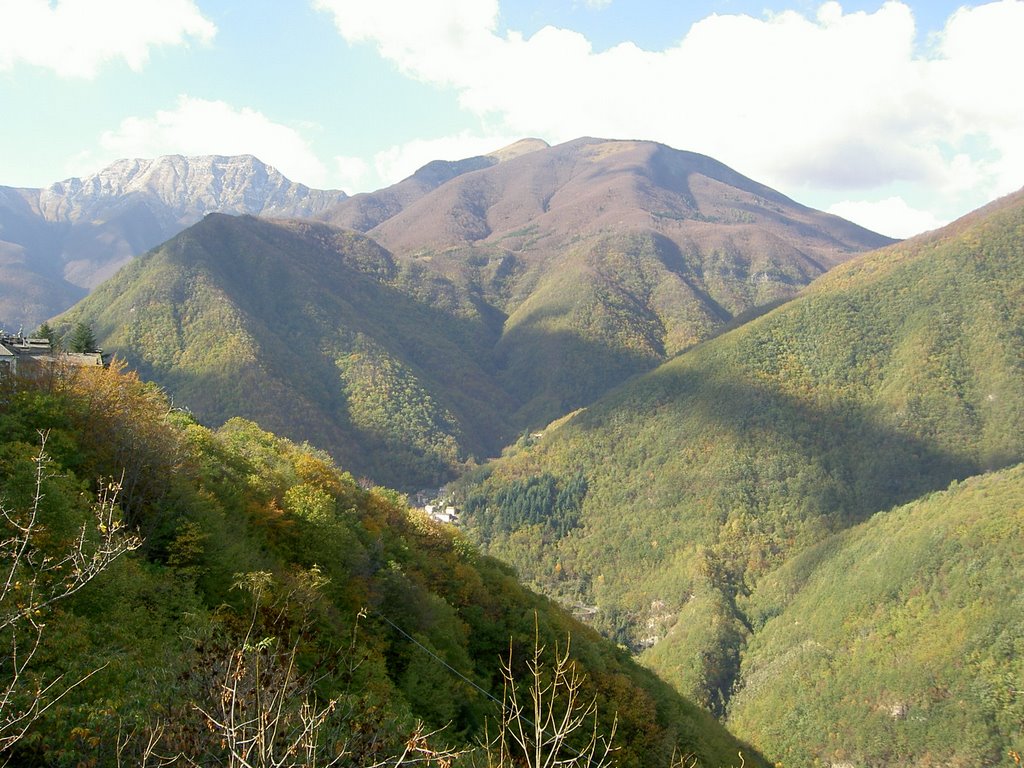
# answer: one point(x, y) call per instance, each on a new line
point(352, 173)
point(402, 160)
point(75, 37)
point(892, 216)
point(201, 127)
point(426, 40)
point(837, 100)
point(979, 58)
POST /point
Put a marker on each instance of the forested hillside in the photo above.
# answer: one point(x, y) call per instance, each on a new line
point(239, 586)
point(316, 333)
point(891, 377)
point(505, 294)
point(898, 642)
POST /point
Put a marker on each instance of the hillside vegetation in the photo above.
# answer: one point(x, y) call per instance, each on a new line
point(316, 333)
point(485, 299)
point(264, 571)
point(898, 642)
point(891, 377)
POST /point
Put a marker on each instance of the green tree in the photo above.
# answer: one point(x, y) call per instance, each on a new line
point(37, 571)
point(46, 331)
point(81, 338)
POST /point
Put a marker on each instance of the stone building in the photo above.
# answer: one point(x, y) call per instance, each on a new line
point(26, 356)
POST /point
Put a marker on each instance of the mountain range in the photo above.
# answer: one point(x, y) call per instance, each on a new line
point(58, 243)
point(492, 295)
point(774, 455)
point(749, 488)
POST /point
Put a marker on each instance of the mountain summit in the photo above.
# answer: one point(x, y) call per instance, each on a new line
point(187, 187)
point(58, 243)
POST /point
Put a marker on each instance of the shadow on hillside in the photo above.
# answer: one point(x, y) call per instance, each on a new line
point(750, 475)
point(303, 307)
point(554, 373)
point(842, 461)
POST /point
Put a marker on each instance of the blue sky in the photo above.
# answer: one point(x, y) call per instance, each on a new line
point(898, 115)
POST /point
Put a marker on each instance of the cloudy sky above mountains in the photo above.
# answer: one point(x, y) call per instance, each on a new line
point(898, 115)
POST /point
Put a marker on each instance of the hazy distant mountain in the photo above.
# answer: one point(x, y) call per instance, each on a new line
point(58, 243)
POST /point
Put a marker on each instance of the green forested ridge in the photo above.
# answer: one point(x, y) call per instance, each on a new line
point(898, 642)
point(310, 331)
point(895, 375)
point(493, 298)
point(258, 548)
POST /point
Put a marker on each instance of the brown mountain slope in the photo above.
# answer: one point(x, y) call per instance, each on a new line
point(589, 185)
point(606, 257)
point(366, 210)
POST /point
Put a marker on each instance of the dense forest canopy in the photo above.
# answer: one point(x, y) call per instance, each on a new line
point(889, 378)
point(252, 562)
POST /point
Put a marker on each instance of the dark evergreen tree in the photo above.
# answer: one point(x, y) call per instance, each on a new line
point(46, 331)
point(81, 339)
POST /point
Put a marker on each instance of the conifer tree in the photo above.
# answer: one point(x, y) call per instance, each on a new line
point(81, 338)
point(47, 331)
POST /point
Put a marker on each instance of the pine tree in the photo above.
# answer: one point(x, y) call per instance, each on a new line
point(46, 331)
point(81, 338)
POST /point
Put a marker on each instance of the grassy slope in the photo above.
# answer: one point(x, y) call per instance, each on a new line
point(896, 374)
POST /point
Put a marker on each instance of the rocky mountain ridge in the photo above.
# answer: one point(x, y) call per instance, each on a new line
point(188, 186)
point(58, 243)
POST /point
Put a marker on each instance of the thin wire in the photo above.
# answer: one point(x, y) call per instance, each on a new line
point(437, 658)
point(459, 675)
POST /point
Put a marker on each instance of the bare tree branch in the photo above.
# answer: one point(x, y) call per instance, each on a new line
point(34, 581)
point(536, 728)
